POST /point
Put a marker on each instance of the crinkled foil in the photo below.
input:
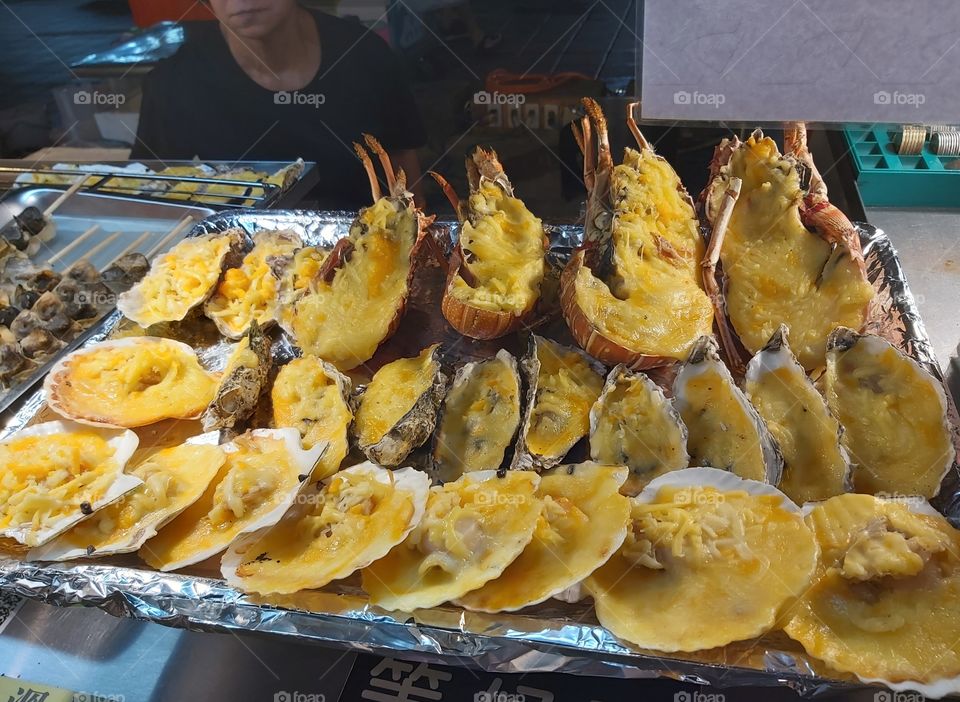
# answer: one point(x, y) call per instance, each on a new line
point(551, 637)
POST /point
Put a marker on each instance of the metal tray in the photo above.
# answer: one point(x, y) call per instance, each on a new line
point(113, 213)
point(555, 636)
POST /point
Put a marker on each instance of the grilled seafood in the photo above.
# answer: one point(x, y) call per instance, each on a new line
point(398, 410)
point(774, 269)
point(367, 276)
point(632, 293)
point(125, 272)
point(495, 271)
point(562, 385)
point(894, 416)
point(242, 382)
point(815, 465)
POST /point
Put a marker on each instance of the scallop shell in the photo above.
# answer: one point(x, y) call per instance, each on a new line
point(240, 388)
point(706, 421)
point(524, 458)
point(416, 425)
point(123, 442)
point(134, 303)
point(661, 433)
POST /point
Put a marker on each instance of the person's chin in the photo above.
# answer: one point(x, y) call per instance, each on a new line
point(251, 25)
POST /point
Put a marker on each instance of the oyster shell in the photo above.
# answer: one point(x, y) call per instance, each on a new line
point(815, 464)
point(634, 424)
point(242, 382)
point(723, 428)
point(398, 410)
point(562, 385)
point(894, 415)
point(313, 397)
point(130, 383)
point(251, 291)
point(182, 279)
point(480, 418)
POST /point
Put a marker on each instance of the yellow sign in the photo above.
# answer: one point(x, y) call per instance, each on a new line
point(17, 690)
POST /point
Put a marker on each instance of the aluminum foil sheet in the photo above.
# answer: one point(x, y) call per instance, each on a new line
point(555, 636)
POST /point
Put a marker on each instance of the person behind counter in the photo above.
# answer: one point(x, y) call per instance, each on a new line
point(273, 81)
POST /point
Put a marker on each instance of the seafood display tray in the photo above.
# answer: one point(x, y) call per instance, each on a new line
point(555, 636)
point(130, 217)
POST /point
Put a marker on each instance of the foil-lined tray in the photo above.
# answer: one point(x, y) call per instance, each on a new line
point(554, 636)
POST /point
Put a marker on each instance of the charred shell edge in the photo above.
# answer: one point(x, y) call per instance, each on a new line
point(523, 458)
point(779, 345)
point(415, 427)
point(460, 377)
point(621, 371)
point(242, 379)
point(705, 350)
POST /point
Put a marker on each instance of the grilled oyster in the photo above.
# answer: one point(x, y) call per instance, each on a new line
point(473, 528)
point(562, 385)
point(251, 291)
point(724, 429)
point(480, 417)
point(495, 272)
point(259, 481)
point(776, 271)
point(635, 425)
point(583, 522)
point(172, 480)
point(881, 606)
point(182, 278)
point(894, 416)
point(398, 410)
point(57, 473)
point(353, 519)
point(632, 293)
point(242, 382)
point(130, 383)
point(311, 396)
point(815, 465)
point(709, 559)
point(367, 276)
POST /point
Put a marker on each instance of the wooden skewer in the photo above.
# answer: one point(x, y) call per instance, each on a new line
point(101, 246)
point(184, 223)
point(72, 245)
point(47, 213)
point(134, 245)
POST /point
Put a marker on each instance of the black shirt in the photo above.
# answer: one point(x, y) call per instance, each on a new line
point(199, 102)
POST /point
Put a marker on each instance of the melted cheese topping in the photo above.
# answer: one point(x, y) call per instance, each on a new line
point(242, 356)
point(249, 293)
point(135, 384)
point(179, 280)
point(883, 606)
point(471, 531)
point(777, 271)
point(504, 251)
point(634, 426)
point(172, 479)
point(567, 387)
point(583, 522)
point(656, 304)
point(328, 535)
point(307, 399)
point(894, 417)
point(251, 484)
point(392, 393)
point(44, 479)
point(480, 418)
point(702, 568)
point(722, 434)
point(371, 286)
point(797, 416)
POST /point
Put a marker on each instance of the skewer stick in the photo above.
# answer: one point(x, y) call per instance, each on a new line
point(72, 245)
point(47, 213)
point(133, 246)
point(184, 223)
point(101, 246)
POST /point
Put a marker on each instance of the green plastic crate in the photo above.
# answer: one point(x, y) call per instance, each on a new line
point(886, 179)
